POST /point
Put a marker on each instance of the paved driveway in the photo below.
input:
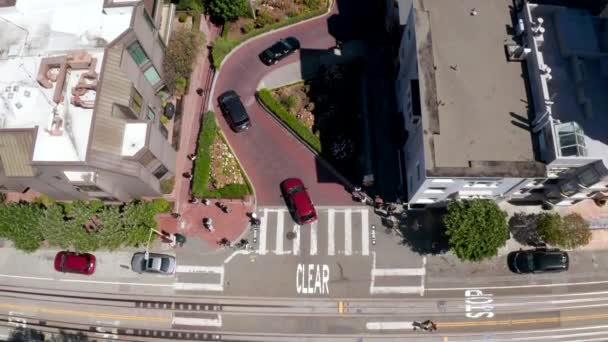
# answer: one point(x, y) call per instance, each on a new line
point(267, 151)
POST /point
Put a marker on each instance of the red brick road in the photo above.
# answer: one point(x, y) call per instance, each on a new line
point(267, 151)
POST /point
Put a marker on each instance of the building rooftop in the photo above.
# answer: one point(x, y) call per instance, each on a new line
point(574, 46)
point(50, 58)
point(474, 101)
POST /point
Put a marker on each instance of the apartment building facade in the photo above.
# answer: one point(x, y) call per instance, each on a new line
point(82, 96)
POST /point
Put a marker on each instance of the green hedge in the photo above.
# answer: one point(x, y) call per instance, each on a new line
point(223, 45)
point(202, 164)
point(279, 110)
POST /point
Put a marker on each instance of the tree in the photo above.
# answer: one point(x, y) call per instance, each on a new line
point(569, 232)
point(184, 46)
point(229, 10)
point(476, 229)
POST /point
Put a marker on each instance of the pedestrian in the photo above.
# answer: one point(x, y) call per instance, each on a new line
point(187, 175)
point(429, 325)
point(378, 202)
point(206, 201)
point(176, 215)
point(200, 91)
point(390, 209)
point(179, 239)
point(194, 200)
point(192, 156)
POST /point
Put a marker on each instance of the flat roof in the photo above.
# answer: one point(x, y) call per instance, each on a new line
point(474, 101)
point(36, 32)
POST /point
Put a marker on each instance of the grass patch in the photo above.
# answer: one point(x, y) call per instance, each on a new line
point(202, 164)
point(224, 45)
point(279, 110)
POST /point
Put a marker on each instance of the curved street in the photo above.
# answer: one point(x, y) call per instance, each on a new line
point(267, 151)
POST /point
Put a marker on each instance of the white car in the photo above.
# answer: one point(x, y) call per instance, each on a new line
point(155, 263)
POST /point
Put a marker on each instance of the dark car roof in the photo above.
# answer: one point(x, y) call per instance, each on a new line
point(233, 103)
point(546, 260)
point(301, 200)
point(292, 42)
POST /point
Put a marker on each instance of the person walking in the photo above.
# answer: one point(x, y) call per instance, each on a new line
point(378, 202)
point(192, 156)
point(429, 325)
point(187, 175)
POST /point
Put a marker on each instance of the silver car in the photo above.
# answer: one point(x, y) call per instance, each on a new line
point(155, 263)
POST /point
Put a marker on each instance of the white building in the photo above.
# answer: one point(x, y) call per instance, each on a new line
point(503, 114)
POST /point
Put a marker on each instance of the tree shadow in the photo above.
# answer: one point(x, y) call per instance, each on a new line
point(423, 231)
point(523, 229)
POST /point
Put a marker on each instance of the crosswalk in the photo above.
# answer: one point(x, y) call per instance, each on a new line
point(336, 232)
point(397, 280)
point(206, 278)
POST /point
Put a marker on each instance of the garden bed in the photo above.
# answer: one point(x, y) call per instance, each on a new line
point(324, 112)
point(270, 15)
point(217, 173)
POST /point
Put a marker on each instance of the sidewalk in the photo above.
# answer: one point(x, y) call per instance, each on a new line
point(230, 226)
point(596, 216)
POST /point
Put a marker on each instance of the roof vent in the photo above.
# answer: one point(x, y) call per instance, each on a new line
point(27, 93)
point(18, 105)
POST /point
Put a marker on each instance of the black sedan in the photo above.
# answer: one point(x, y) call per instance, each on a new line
point(279, 50)
point(538, 261)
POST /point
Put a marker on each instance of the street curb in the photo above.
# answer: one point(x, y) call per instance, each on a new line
point(236, 48)
point(303, 142)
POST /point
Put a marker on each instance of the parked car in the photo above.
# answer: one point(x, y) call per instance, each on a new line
point(71, 262)
point(279, 50)
point(234, 111)
point(538, 261)
point(155, 263)
point(298, 201)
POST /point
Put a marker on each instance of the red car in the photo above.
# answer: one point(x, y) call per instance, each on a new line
point(298, 201)
point(75, 263)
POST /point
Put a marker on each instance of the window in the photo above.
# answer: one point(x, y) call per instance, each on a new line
point(569, 189)
point(160, 171)
point(482, 184)
point(418, 172)
point(138, 54)
point(151, 114)
point(89, 188)
point(136, 101)
point(152, 75)
point(434, 190)
point(571, 140)
point(588, 177)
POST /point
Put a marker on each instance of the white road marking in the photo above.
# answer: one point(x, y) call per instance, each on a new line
point(397, 272)
point(198, 287)
point(262, 238)
point(280, 231)
point(364, 232)
point(24, 277)
point(396, 289)
point(517, 286)
point(112, 282)
point(199, 269)
point(313, 238)
point(235, 253)
point(348, 233)
point(331, 231)
point(205, 322)
point(388, 325)
point(296, 239)
point(423, 276)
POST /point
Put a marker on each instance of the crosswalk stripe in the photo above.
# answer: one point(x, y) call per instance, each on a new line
point(388, 272)
point(364, 232)
point(331, 231)
point(198, 287)
point(313, 238)
point(296, 239)
point(263, 224)
point(348, 233)
point(194, 321)
point(280, 226)
point(199, 269)
point(396, 289)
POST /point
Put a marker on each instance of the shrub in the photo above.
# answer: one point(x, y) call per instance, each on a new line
point(248, 27)
point(182, 17)
point(167, 185)
point(161, 205)
point(291, 121)
point(229, 10)
point(290, 101)
point(164, 120)
point(476, 228)
point(184, 46)
point(202, 164)
point(569, 232)
point(221, 47)
point(312, 4)
point(263, 18)
point(180, 86)
point(190, 5)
